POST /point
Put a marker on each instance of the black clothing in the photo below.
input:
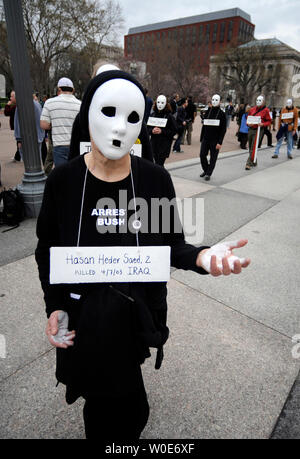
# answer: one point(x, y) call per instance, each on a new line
point(148, 108)
point(229, 110)
point(9, 110)
point(268, 133)
point(206, 147)
point(117, 418)
point(173, 104)
point(210, 137)
point(113, 333)
point(181, 117)
point(161, 143)
point(214, 133)
point(190, 111)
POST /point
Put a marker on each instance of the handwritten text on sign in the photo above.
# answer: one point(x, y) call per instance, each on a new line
point(158, 122)
point(253, 120)
point(287, 116)
point(211, 122)
point(74, 265)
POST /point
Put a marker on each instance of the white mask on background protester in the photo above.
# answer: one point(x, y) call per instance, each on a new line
point(216, 100)
point(115, 117)
point(260, 101)
point(161, 102)
point(289, 103)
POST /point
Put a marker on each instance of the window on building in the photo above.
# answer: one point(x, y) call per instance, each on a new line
point(207, 33)
point(181, 31)
point(229, 32)
point(215, 30)
point(222, 32)
point(200, 34)
point(193, 35)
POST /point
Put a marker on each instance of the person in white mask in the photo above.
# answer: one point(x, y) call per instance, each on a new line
point(212, 135)
point(161, 136)
point(287, 127)
point(103, 330)
point(259, 110)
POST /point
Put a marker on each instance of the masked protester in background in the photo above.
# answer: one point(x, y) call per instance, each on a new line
point(259, 110)
point(212, 135)
point(287, 127)
point(162, 136)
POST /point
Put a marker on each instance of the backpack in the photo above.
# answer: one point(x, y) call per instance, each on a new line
point(13, 208)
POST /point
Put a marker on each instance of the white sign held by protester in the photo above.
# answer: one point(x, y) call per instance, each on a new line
point(75, 265)
point(211, 122)
point(254, 120)
point(287, 116)
point(157, 122)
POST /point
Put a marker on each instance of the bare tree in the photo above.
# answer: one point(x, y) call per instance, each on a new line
point(248, 70)
point(174, 70)
point(54, 28)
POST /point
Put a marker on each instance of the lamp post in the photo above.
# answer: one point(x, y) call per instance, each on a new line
point(32, 186)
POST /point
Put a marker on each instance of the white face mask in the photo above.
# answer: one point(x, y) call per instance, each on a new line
point(259, 101)
point(215, 101)
point(115, 117)
point(161, 102)
point(289, 103)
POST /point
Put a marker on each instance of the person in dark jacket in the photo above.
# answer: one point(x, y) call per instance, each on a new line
point(112, 324)
point(212, 135)
point(9, 110)
point(181, 123)
point(162, 135)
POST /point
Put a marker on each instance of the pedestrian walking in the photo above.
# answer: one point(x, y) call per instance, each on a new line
point(39, 131)
point(212, 135)
point(58, 115)
point(244, 129)
point(287, 126)
point(161, 135)
point(9, 110)
point(229, 110)
point(261, 116)
point(181, 122)
point(191, 113)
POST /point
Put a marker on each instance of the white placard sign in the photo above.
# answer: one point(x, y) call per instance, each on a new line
point(75, 265)
point(86, 147)
point(136, 150)
point(254, 120)
point(211, 122)
point(157, 122)
point(287, 116)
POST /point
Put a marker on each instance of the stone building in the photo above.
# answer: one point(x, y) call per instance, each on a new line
point(277, 66)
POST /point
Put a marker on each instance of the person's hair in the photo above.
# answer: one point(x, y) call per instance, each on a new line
point(66, 88)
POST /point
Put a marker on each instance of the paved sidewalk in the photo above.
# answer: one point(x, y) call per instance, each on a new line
point(228, 369)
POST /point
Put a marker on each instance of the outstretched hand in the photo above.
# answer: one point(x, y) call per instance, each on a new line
point(219, 259)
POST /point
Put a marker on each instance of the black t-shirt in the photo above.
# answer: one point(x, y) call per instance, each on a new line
point(105, 214)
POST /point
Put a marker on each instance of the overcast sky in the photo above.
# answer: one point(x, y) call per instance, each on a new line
point(272, 18)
